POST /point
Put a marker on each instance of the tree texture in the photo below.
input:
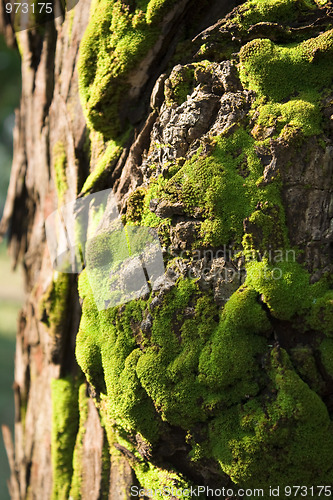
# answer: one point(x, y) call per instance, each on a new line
point(211, 121)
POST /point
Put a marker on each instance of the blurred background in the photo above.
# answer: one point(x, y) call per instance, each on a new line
point(11, 285)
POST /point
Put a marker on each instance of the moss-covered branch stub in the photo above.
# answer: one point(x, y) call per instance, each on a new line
point(115, 43)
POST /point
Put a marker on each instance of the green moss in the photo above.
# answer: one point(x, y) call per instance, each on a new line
point(158, 482)
point(104, 165)
point(59, 166)
point(320, 317)
point(296, 73)
point(304, 361)
point(76, 482)
point(278, 71)
point(65, 420)
point(135, 204)
point(285, 288)
point(175, 357)
point(216, 185)
point(186, 370)
point(53, 307)
point(274, 11)
point(179, 85)
point(115, 42)
point(106, 468)
point(301, 114)
point(326, 354)
point(105, 351)
point(228, 362)
point(287, 430)
point(174, 366)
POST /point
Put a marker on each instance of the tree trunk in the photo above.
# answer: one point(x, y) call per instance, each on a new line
point(213, 126)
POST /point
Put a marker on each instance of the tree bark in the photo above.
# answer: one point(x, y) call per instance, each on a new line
point(218, 376)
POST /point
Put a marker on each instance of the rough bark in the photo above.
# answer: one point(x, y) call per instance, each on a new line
point(228, 371)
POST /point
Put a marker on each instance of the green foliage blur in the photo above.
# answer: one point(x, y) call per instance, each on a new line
point(10, 286)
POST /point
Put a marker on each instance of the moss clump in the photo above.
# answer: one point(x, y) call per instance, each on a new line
point(285, 288)
point(135, 204)
point(172, 366)
point(296, 73)
point(115, 42)
point(76, 483)
point(104, 165)
point(65, 421)
point(158, 482)
point(288, 430)
point(277, 71)
point(179, 84)
point(216, 186)
point(320, 318)
point(304, 361)
point(104, 343)
point(274, 11)
point(54, 305)
point(228, 362)
point(186, 370)
point(59, 167)
point(326, 354)
point(299, 114)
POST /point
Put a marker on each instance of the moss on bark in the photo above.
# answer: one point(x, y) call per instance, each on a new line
point(197, 364)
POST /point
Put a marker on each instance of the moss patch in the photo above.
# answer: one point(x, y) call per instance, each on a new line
point(115, 42)
point(326, 353)
point(59, 166)
point(274, 11)
point(214, 183)
point(65, 421)
point(76, 482)
point(53, 306)
point(104, 165)
point(254, 441)
point(176, 358)
point(295, 73)
point(285, 288)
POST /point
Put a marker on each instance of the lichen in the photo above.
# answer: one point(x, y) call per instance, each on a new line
point(65, 420)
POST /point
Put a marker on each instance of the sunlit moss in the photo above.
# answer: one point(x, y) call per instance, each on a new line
point(76, 482)
point(60, 165)
point(65, 420)
point(114, 43)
